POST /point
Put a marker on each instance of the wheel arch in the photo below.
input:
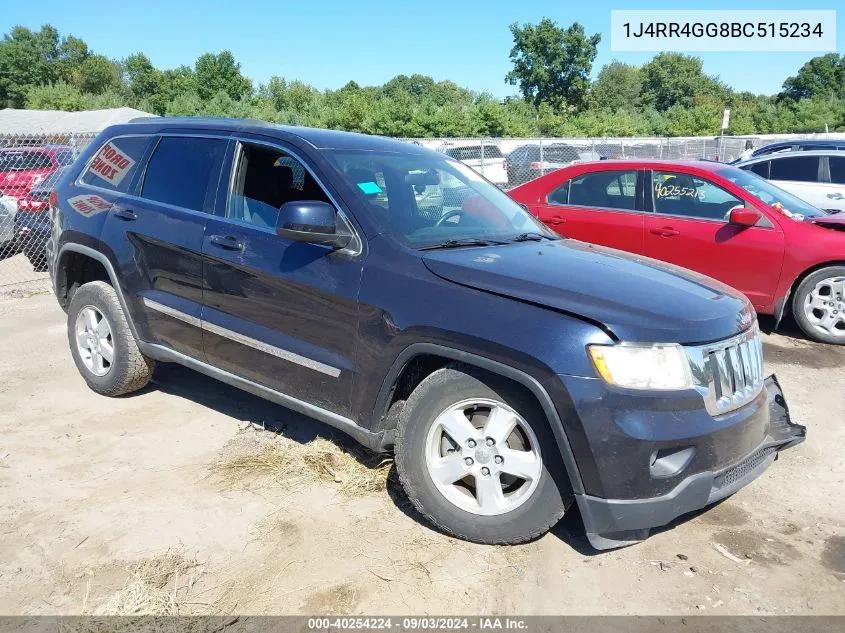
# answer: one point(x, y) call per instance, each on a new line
point(74, 255)
point(418, 360)
point(783, 302)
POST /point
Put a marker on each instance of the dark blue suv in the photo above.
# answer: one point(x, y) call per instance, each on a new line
point(393, 293)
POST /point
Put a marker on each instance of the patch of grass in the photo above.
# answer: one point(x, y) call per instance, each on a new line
point(275, 460)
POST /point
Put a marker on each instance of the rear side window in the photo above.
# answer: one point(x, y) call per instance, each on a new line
point(605, 189)
point(837, 170)
point(115, 163)
point(559, 195)
point(183, 171)
point(761, 169)
point(492, 151)
point(798, 168)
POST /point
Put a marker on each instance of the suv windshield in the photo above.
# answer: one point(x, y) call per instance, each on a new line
point(770, 194)
point(427, 199)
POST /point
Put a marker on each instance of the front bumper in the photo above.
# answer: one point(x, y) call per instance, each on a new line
point(613, 523)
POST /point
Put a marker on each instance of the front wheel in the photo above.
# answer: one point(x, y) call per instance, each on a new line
point(819, 305)
point(102, 345)
point(477, 458)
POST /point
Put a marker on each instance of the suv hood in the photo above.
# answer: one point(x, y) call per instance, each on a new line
point(638, 299)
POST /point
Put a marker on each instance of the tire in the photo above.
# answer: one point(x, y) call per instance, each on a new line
point(521, 514)
point(128, 370)
point(818, 305)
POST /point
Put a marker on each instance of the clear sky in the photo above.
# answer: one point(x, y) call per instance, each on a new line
point(326, 43)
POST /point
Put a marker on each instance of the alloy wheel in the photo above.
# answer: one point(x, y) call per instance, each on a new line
point(94, 340)
point(483, 457)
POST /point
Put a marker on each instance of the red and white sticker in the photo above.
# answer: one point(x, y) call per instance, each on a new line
point(89, 204)
point(111, 164)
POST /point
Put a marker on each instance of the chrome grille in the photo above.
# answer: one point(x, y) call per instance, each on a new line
point(729, 373)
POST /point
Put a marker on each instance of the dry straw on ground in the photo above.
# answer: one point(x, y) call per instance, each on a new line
point(156, 586)
point(261, 458)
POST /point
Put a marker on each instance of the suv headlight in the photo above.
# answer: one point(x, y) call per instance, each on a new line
point(656, 367)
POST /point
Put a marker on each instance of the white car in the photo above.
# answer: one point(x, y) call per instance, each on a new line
point(816, 176)
point(8, 210)
point(490, 163)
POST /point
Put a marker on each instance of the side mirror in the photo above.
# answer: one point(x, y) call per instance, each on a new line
point(313, 222)
point(744, 216)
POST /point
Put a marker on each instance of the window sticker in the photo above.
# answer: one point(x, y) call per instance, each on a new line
point(88, 204)
point(111, 164)
point(674, 191)
point(369, 187)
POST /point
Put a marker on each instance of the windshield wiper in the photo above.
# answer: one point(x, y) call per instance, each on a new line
point(469, 241)
point(532, 237)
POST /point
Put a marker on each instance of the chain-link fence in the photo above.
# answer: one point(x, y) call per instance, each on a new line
point(511, 162)
point(30, 165)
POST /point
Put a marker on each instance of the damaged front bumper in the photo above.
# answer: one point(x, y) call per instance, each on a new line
point(614, 523)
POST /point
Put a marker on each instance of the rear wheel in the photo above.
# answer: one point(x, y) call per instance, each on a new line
point(102, 345)
point(819, 305)
point(477, 458)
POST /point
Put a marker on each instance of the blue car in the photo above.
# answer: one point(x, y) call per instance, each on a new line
point(393, 293)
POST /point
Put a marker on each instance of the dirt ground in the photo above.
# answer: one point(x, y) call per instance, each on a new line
point(192, 497)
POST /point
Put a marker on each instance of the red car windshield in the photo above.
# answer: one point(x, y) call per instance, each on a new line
point(770, 194)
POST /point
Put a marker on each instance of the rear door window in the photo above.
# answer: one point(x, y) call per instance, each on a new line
point(796, 168)
point(183, 171)
point(605, 190)
point(115, 163)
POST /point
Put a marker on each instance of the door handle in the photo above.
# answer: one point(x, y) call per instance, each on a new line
point(835, 196)
point(228, 242)
point(666, 231)
point(556, 219)
point(125, 214)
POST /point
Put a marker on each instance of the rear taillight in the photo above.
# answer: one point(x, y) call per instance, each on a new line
point(505, 164)
point(53, 199)
point(31, 204)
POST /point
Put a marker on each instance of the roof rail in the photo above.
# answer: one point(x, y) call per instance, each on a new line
point(159, 119)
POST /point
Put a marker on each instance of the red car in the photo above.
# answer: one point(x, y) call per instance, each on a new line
point(732, 225)
point(22, 168)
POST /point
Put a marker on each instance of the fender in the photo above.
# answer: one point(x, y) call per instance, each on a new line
point(100, 257)
point(495, 367)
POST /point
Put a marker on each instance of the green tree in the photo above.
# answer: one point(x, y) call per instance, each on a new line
point(27, 59)
point(617, 87)
point(671, 79)
point(72, 53)
point(552, 64)
point(822, 76)
point(220, 72)
point(97, 74)
point(144, 80)
point(55, 96)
